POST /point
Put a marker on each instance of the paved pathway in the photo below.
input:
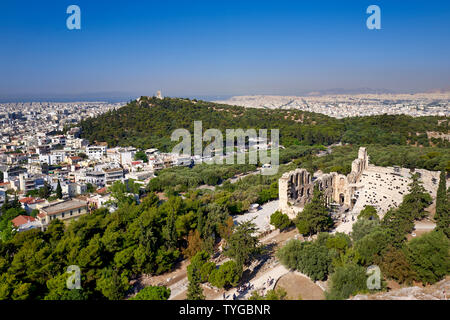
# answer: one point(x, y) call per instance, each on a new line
point(260, 283)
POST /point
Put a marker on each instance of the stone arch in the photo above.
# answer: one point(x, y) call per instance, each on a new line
point(341, 198)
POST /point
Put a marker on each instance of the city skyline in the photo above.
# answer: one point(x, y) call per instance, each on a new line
point(204, 49)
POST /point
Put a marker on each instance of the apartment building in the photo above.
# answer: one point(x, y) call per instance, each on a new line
point(96, 152)
point(66, 211)
point(112, 175)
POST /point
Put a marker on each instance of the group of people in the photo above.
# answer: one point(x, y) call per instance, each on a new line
point(269, 281)
point(244, 287)
point(248, 286)
point(347, 219)
point(241, 289)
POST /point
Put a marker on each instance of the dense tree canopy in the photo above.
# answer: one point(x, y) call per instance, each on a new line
point(109, 248)
point(314, 258)
point(149, 122)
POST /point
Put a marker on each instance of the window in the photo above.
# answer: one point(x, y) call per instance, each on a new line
point(62, 215)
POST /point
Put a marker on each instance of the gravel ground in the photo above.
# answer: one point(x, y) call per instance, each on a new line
point(262, 216)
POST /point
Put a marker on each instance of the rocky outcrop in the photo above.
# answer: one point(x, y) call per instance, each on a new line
point(438, 291)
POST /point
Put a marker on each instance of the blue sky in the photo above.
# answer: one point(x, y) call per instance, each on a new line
point(207, 48)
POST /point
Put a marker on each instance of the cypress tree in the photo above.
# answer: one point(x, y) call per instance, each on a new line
point(59, 191)
point(442, 216)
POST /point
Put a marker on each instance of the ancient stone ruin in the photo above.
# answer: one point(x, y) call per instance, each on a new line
point(296, 187)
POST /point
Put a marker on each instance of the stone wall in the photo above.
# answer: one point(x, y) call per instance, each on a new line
point(295, 190)
point(296, 187)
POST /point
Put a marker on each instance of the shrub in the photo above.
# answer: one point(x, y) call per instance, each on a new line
point(206, 270)
point(278, 294)
point(200, 263)
point(227, 275)
point(429, 256)
point(346, 281)
point(372, 245)
point(394, 265)
point(312, 259)
point(153, 293)
point(363, 227)
point(280, 220)
point(339, 242)
point(288, 254)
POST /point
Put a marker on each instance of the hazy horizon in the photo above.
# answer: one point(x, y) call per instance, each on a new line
point(220, 49)
point(124, 97)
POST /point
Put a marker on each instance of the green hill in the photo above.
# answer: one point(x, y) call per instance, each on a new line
point(149, 122)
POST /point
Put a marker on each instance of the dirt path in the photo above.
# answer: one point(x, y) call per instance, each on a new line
point(299, 286)
point(175, 280)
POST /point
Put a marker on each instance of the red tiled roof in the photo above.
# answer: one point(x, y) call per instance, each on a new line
point(20, 220)
point(101, 190)
point(31, 200)
point(26, 200)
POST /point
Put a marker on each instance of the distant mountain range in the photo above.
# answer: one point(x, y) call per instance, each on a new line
point(442, 90)
point(337, 91)
point(350, 91)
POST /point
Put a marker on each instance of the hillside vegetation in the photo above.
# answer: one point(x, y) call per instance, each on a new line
point(149, 122)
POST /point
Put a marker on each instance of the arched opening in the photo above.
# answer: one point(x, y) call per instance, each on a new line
point(341, 198)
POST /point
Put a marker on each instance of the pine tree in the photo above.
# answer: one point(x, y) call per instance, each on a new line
point(195, 291)
point(243, 244)
point(170, 232)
